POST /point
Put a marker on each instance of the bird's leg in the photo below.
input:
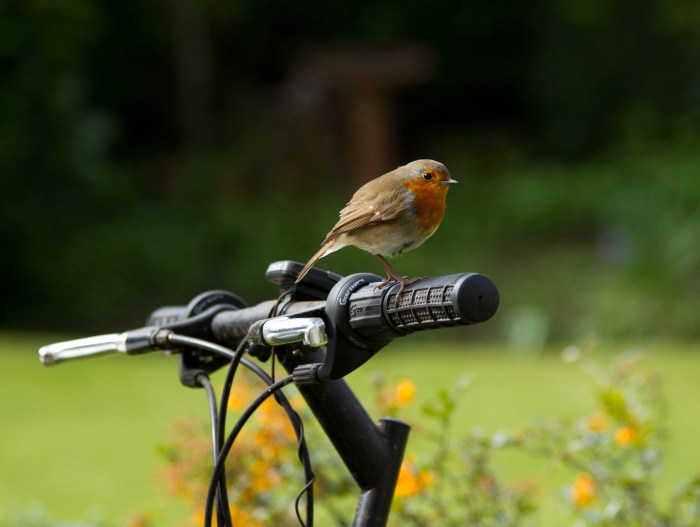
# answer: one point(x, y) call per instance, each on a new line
point(393, 276)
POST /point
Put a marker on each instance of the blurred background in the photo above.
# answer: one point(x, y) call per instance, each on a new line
point(153, 150)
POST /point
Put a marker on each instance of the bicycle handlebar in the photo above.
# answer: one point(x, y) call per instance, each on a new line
point(366, 313)
point(363, 316)
point(359, 316)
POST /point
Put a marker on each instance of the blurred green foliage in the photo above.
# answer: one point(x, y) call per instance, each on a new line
point(152, 150)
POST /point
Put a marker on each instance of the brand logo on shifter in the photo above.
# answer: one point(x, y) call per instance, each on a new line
point(350, 290)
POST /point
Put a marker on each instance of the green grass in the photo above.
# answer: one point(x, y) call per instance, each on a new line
point(81, 438)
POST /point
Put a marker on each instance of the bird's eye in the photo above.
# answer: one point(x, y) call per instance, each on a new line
point(427, 176)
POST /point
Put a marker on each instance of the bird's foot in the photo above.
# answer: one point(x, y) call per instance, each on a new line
point(403, 280)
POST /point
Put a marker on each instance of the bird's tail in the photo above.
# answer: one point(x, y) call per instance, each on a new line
point(323, 251)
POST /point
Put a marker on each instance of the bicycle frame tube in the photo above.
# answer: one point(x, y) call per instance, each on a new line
point(372, 453)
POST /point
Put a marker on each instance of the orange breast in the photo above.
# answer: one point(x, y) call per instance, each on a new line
point(429, 203)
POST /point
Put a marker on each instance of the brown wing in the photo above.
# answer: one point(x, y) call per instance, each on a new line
point(365, 209)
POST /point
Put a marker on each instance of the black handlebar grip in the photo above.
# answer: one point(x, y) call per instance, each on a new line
point(444, 301)
point(231, 326)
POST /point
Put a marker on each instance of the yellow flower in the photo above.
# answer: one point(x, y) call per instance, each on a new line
point(583, 490)
point(410, 481)
point(626, 435)
point(404, 392)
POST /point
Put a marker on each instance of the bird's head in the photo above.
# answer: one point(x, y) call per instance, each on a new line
point(426, 176)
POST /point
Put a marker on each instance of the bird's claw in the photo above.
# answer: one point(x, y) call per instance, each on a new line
point(403, 280)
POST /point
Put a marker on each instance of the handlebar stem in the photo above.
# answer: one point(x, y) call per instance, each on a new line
point(372, 453)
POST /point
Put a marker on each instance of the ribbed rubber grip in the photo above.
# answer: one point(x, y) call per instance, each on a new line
point(441, 302)
point(459, 299)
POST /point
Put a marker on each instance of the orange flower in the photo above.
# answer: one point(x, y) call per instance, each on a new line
point(271, 416)
point(598, 422)
point(404, 392)
point(244, 516)
point(264, 475)
point(235, 401)
point(141, 520)
point(410, 481)
point(240, 516)
point(583, 490)
point(626, 435)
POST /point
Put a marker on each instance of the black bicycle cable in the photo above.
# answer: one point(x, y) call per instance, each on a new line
point(302, 450)
point(298, 427)
point(223, 507)
point(309, 477)
point(226, 448)
point(230, 374)
point(204, 381)
point(218, 420)
point(223, 512)
point(294, 418)
point(226, 390)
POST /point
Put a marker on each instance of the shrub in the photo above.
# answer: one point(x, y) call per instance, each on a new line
point(613, 456)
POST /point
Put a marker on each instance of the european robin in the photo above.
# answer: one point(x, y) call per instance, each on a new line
point(390, 215)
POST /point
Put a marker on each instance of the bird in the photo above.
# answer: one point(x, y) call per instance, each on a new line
point(390, 215)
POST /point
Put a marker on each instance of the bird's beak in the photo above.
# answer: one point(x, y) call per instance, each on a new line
point(449, 182)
